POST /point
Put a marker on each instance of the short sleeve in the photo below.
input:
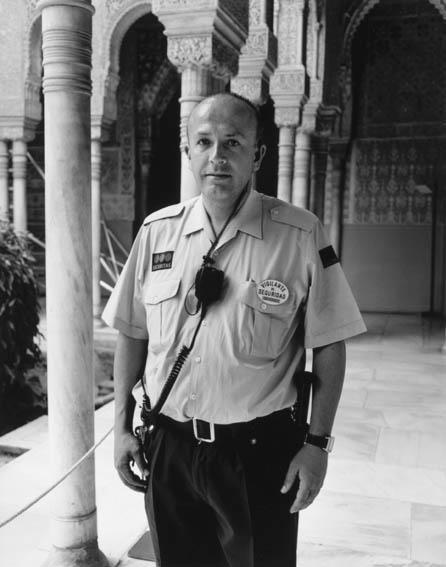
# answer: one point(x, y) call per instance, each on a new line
point(125, 310)
point(331, 312)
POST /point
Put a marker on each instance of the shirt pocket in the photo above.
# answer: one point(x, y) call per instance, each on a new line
point(161, 301)
point(267, 328)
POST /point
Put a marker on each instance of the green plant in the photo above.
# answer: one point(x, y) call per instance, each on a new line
point(19, 318)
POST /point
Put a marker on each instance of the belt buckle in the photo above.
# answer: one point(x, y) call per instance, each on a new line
point(211, 437)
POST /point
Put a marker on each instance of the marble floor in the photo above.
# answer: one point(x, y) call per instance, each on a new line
point(384, 500)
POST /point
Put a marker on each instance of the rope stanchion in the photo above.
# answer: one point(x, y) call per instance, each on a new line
point(59, 481)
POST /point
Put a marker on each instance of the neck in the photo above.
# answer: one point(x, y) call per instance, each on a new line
point(220, 212)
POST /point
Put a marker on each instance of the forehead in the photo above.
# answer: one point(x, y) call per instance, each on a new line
point(223, 113)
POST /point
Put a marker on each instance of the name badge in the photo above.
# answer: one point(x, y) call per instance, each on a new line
point(272, 292)
point(162, 261)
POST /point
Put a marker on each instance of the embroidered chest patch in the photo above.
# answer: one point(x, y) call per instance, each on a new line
point(328, 256)
point(272, 292)
point(162, 261)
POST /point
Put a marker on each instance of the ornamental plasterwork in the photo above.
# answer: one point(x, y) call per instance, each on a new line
point(181, 4)
point(114, 5)
point(288, 33)
point(150, 91)
point(31, 6)
point(255, 13)
point(288, 82)
point(252, 88)
point(257, 43)
point(190, 50)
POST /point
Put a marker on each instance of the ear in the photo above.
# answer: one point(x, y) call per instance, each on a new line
point(258, 156)
point(187, 152)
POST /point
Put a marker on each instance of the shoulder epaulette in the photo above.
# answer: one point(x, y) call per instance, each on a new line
point(286, 213)
point(165, 213)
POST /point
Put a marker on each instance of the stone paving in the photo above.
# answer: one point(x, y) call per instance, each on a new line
point(384, 500)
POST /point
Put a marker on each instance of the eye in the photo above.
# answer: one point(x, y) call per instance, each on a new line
point(203, 142)
point(232, 143)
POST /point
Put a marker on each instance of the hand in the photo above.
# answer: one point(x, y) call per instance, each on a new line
point(310, 466)
point(129, 451)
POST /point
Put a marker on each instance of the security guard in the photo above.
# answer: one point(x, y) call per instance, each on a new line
point(225, 476)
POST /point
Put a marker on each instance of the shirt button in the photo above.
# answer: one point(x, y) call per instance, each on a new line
point(193, 396)
point(198, 359)
point(204, 323)
point(264, 307)
point(253, 441)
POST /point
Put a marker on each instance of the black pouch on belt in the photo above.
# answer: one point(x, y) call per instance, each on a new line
point(144, 432)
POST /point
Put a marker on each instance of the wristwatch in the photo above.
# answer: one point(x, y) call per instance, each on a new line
point(324, 442)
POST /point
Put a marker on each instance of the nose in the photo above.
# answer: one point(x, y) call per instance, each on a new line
point(217, 157)
point(218, 160)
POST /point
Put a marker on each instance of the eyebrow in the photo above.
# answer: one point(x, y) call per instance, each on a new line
point(232, 134)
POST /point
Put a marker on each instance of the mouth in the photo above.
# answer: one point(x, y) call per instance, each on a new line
point(218, 175)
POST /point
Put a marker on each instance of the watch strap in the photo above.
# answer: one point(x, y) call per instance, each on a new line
point(324, 442)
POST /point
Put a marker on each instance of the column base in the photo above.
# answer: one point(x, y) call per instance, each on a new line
point(87, 556)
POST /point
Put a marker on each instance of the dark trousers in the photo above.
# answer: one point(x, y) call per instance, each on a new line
point(219, 504)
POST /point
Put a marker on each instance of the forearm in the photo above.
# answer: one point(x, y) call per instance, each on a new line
point(129, 362)
point(329, 369)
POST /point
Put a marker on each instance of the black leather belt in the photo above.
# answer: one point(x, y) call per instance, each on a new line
point(208, 432)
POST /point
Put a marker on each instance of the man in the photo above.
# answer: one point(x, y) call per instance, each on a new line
point(225, 475)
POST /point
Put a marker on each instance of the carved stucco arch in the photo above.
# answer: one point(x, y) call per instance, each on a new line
point(118, 27)
point(355, 16)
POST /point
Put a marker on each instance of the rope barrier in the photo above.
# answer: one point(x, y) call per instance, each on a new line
point(55, 484)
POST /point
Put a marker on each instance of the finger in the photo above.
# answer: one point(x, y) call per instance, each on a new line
point(289, 478)
point(303, 500)
point(130, 479)
point(141, 463)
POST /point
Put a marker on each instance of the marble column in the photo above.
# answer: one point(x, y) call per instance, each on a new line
point(286, 159)
point(19, 185)
point(4, 198)
point(335, 185)
point(96, 158)
point(318, 175)
point(66, 44)
point(302, 155)
point(196, 84)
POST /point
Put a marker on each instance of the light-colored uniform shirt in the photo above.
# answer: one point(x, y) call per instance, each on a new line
point(284, 291)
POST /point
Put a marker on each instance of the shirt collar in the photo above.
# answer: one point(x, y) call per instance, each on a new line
point(248, 220)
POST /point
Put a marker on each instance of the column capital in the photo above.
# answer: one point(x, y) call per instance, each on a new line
point(287, 88)
point(204, 33)
point(17, 127)
point(326, 119)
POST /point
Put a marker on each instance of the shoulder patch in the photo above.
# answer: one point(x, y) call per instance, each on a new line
point(293, 216)
point(328, 256)
point(167, 212)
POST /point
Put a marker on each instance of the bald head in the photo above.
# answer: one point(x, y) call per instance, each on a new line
point(231, 103)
